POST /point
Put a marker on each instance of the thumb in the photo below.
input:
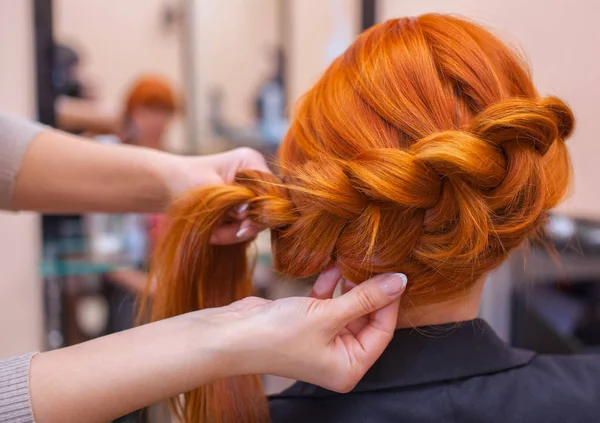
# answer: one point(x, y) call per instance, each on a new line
point(371, 295)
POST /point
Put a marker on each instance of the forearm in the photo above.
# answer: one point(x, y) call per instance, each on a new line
point(83, 115)
point(100, 380)
point(62, 173)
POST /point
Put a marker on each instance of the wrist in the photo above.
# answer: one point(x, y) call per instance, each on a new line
point(212, 347)
point(225, 343)
point(180, 173)
point(169, 174)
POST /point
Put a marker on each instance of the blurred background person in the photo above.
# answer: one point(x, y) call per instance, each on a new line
point(149, 108)
point(76, 105)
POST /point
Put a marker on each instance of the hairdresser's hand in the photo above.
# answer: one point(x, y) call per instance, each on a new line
point(329, 342)
point(219, 169)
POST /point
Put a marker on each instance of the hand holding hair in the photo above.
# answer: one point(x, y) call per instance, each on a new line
point(219, 169)
point(63, 173)
point(330, 342)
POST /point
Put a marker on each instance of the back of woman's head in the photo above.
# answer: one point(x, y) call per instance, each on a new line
point(424, 149)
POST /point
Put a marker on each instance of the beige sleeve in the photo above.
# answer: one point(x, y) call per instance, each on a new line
point(15, 402)
point(15, 136)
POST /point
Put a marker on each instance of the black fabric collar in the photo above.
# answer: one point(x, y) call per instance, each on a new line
point(432, 355)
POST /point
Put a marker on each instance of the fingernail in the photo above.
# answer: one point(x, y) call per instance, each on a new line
point(241, 232)
point(315, 293)
point(329, 268)
point(394, 284)
point(241, 208)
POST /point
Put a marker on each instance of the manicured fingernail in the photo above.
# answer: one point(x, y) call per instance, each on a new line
point(330, 268)
point(315, 293)
point(241, 232)
point(393, 284)
point(241, 208)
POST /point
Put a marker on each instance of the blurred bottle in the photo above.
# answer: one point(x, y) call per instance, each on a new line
point(273, 123)
point(104, 234)
point(271, 102)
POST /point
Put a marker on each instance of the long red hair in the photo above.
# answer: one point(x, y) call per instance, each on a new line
point(423, 149)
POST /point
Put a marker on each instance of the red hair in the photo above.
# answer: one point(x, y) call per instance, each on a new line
point(424, 149)
point(150, 91)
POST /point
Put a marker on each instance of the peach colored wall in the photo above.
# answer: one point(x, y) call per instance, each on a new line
point(319, 28)
point(120, 40)
point(560, 39)
point(20, 285)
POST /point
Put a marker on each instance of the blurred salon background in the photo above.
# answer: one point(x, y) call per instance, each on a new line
point(202, 76)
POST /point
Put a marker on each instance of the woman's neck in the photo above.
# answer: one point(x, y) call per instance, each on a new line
point(458, 310)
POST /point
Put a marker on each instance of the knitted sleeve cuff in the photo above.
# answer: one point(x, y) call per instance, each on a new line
point(15, 136)
point(15, 401)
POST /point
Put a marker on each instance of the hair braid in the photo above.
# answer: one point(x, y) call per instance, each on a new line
point(423, 149)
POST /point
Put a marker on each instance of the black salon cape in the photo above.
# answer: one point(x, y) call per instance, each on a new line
point(454, 374)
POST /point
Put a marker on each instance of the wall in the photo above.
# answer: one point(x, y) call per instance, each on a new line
point(321, 30)
point(560, 40)
point(232, 42)
point(20, 286)
point(118, 41)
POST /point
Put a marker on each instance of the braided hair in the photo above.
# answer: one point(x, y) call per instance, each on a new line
point(423, 149)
